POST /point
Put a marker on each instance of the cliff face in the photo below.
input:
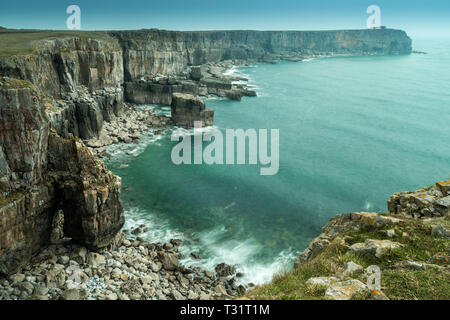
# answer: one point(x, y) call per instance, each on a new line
point(169, 52)
point(41, 173)
point(60, 68)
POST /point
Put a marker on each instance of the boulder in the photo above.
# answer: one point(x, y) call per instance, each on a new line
point(444, 186)
point(133, 289)
point(169, 261)
point(374, 248)
point(410, 264)
point(378, 295)
point(177, 295)
point(16, 278)
point(440, 232)
point(351, 267)
point(234, 95)
point(56, 277)
point(345, 290)
point(225, 270)
point(70, 294)
point(95, 260)
point(196, 73)
point(433, 201)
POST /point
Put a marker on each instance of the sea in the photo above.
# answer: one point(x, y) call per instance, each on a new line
point(352, 131)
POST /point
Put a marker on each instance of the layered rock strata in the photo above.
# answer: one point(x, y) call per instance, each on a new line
point(187, 109)
point(42, 173)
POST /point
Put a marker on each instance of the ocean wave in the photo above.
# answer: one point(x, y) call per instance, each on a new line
point(368, 206)
point(180, 132)
point(212, 245)
point(122, 153)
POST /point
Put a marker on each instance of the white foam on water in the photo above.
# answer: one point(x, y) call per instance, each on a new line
point(233, 71)
point(159, 229)
point(122, 153)
point(181, 132)
point(368, 206)
point(241, 253)
point(212, 246)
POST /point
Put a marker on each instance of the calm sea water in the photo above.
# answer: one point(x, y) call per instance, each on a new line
point(352, 132)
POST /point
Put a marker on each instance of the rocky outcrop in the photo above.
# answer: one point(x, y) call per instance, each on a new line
point(416, 253)
point(87, 192)
point(340, 224)
point(414, 204)
point(374, 248)
point(433, 201)
point(42, 173)
point(151, 52)
point(187, 109)
point(206, 80)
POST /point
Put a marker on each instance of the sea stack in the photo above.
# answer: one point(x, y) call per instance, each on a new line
point(186, 109)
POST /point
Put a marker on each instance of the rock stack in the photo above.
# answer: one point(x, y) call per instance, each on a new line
point(186, 109)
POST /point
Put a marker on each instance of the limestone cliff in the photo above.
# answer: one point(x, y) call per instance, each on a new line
point(148, 53)
point(169, 52)
point(41, 173)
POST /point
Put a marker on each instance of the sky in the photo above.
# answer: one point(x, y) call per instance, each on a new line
point(417, 17)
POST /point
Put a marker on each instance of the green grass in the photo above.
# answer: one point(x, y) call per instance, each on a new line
point(15, 84)
point(23, 42)
point(402, 284)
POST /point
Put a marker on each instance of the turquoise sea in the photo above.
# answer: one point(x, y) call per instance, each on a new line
point(353, 130)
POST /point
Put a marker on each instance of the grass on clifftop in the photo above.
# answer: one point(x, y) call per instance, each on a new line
point(397, 283)
point(22, 42)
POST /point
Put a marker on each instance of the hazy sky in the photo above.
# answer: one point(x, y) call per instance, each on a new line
point(414, 16)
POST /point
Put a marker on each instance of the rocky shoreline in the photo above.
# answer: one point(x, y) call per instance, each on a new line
point(126, 270)
point(129, 128)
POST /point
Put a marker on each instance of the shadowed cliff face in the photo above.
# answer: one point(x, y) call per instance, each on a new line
point(41, 173)
point(169, 52)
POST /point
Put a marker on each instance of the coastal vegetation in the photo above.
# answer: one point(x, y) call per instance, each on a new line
point(401, 279)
